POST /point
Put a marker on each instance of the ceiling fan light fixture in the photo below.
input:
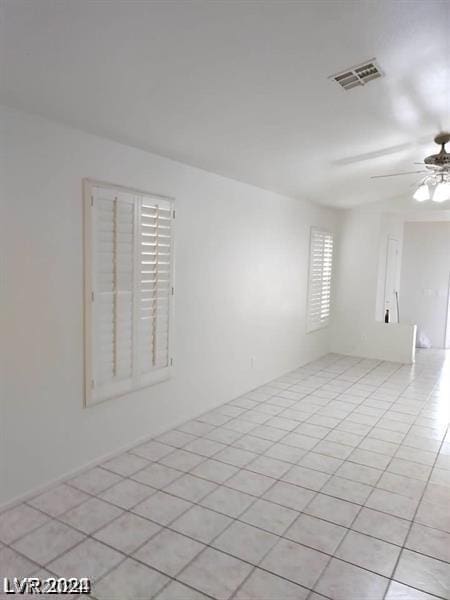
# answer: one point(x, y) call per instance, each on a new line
point(442, 192)
point(422, 193)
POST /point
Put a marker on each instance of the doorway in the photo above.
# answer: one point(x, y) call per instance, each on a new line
point(391, 277)
point(447, 328)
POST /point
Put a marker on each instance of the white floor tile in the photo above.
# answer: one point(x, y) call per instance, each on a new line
point(266, 586)
point(331, 509)
point(156, 475)
point(271, 467)
point(381, 525)
point(201, 524)
point(89, 559)
point(162, 508)
point(14, 564)
point(342, 581)
point(46, 543)
point(227, 501)
point(316, 533)
point(215, 471)
point(215, 573)
point(177, 591)
point(245, 542)
point(368, 552)
point(430, 541)
point(394, 504)
point(399, 591)
point(19, 521)
point(59, 499)
point(235, 456)
point(182, 460)
point(168, 552)
point(361, 473)
point(320, 462)
point(152, 450)
point(424, 573)
point(308, 478)
point(190, 488)
point(288, 495)
point(297, 563)
point(399, 484)
point(125, 464)
point(95, 480)
point(345, 489)
point(250, 483)
point(91, 515)
point(127, 533)
point(269, 516)
point(127, 493)
point(129, 581)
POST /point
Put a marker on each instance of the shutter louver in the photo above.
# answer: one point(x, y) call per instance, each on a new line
point(130, 283)
point(320, 273)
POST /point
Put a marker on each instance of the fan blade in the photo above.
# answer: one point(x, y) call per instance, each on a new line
point(383, 151)
point(397, 174)
point(370, 155)
point(423, 141)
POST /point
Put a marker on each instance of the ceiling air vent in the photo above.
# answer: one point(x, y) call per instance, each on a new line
point(359, 75)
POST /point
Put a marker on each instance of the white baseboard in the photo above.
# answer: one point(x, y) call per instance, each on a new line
point(103, 458)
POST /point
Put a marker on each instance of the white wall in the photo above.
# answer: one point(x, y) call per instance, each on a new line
point(356, 279)
point(357, 328)
point(241, 272)
point(425, 278)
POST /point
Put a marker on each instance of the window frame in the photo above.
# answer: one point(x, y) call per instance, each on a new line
point(136, 382)
point(310, 326)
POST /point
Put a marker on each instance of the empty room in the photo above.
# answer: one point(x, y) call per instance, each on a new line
point(225, 299)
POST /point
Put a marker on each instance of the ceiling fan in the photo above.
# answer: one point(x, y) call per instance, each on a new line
point(435, 185)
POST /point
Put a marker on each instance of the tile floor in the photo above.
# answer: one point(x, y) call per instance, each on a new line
point(332, 481)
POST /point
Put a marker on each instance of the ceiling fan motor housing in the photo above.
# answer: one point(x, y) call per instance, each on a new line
point(442, 158)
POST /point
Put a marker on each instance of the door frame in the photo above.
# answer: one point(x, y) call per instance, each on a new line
point(447, 320)
point(391, 238)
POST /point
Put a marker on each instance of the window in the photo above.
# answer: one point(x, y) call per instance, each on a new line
point(319, 285)
point(128, 289)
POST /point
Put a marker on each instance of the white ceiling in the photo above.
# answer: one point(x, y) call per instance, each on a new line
point(240, 87)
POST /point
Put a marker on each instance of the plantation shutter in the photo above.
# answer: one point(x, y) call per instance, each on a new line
point(128, 290)
point(319, 285)
point(113, 277)
point(155, 284)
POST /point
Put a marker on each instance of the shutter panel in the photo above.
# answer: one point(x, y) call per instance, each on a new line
point(155, 254)
point(129, 244)
point(113, 262)
point(319, 285)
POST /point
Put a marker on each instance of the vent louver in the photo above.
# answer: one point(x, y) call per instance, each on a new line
point(358, 75)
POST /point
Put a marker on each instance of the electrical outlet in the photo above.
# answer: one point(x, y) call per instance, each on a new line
point(252, 362)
